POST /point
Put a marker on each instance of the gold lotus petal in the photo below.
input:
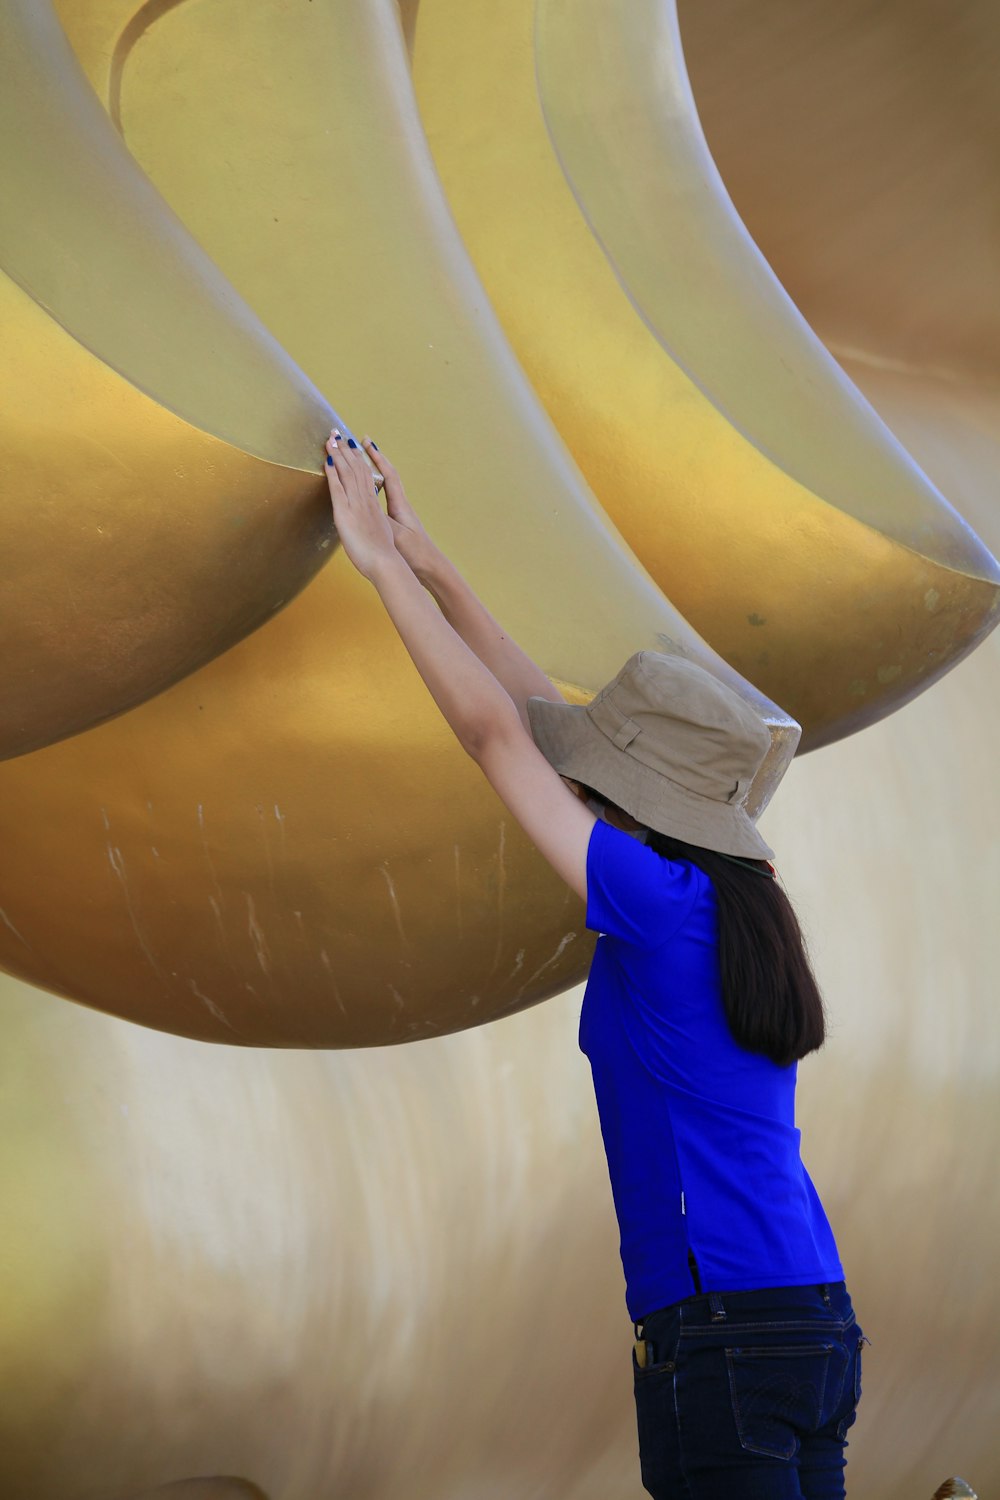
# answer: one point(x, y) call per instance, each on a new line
point(901, 281)
point(749, 475)
point(159, 467)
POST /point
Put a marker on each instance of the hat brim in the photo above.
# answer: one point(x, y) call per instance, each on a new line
point(575, 747)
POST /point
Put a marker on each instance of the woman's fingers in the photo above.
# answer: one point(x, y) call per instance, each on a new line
point(385, 468)
point(355, 456)
point(347, 460)
point(397, 502)
point(332, 473)
point(378, 459)
point(347, 463)
point(338, 474)
point(333, 476)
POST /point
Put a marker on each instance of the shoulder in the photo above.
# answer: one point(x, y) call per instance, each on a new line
point(636, 894)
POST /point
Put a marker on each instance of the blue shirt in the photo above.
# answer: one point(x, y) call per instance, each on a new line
point(700, 1134)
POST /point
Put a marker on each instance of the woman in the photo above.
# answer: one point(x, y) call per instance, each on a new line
point(699, 1002)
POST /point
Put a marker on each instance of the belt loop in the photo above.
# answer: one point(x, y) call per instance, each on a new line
point(824, 1292)
point(716, 1308)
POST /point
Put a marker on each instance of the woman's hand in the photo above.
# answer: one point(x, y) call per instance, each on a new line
point(408, 533)
point(363, 527)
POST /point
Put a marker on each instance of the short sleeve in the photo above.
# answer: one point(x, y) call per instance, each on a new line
point(633, 893)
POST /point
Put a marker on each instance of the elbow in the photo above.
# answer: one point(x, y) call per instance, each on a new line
point(481, 737)
point(476, 740)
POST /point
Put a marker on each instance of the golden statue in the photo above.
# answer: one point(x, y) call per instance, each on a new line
point(523, 290)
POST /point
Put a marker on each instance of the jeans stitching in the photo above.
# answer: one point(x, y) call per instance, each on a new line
point(641, 1372)
point(724, 1330)
point(854, 1367)
point(680, 1438)
point(779, 1351)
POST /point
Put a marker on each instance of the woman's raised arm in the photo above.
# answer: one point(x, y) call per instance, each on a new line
point(459, 604)
point(480, 711)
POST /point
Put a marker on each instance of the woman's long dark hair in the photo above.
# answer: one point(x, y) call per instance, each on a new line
point(772, 1001)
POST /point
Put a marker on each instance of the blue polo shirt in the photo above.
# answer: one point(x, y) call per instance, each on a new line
point(703, 1152)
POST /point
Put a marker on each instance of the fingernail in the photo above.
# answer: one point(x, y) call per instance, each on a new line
point(329, 460)
point(375, 445)
point(351, 443)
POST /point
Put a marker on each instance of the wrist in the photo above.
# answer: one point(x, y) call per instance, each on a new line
point(385, 567)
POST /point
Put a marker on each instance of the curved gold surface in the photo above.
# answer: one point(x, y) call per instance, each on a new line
point(215, 883)
point(158, 469)
point(761, 491)
point(223, 1261)
point(204, 1489)
point(288, 847)
point(880, 219)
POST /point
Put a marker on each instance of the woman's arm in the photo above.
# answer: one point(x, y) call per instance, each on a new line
point(463, 610)
point(478, 708)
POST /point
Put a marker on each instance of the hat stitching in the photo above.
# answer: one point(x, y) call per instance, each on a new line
point(679, 785)
point(625, 734)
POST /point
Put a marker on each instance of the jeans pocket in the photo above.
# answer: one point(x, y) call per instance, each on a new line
point(652, 1366)
point(657, 1428)
point(656, 1352)
point(778, 1393)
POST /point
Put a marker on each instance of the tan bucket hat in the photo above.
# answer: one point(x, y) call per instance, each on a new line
point(669, 743)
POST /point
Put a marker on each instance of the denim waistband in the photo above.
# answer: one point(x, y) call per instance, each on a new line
point(716, 1307)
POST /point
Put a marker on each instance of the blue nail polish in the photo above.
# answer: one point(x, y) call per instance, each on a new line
point(329, 460)
point(375, 445)
point(351, 443)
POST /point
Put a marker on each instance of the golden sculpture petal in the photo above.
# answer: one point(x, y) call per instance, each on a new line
point(158, 469)
point(288, 847)
point(762, 492)
point(902, 281)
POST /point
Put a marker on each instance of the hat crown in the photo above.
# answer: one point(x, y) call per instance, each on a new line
point(670, 744)
point(680, 721)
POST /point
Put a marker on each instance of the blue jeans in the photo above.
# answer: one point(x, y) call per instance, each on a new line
point(748, 1395)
